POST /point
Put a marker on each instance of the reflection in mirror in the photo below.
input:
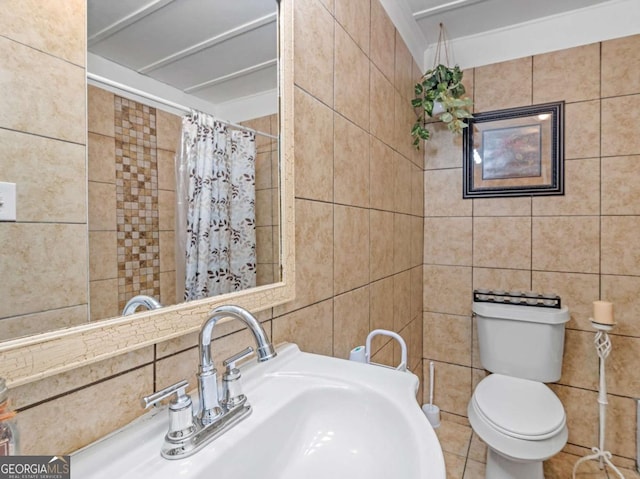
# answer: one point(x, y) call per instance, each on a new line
point(223, 64)
point(140, 301)
point(194, 194)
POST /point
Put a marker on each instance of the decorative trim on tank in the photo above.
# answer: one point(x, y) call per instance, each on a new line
point(521, 298)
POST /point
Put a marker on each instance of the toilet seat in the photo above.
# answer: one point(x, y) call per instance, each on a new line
point(519, 408)
point(491, 426)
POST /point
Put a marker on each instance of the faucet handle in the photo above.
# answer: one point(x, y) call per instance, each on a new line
point(232, 395)
point(230, 363)
point(179, 389)
point(180, 410)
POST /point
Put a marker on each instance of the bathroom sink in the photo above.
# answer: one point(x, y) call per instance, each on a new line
point(313, 417)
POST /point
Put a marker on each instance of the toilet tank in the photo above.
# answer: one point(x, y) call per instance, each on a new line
point(521, 341)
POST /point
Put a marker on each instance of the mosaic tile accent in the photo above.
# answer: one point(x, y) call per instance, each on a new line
point(137, 219)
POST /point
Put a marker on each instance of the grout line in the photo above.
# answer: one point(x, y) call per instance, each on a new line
point(369, 137)
point(83, 386)
point(155, 367)
point(473, 268)
point(51, 223)
point(328, 298)
point(600, 178)
point(531, 243)
point(466, 456)
point(61, 308)
point(31, 47)
point(532, 74)
point(333, 184)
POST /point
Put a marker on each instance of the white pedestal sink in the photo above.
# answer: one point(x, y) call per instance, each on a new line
point(314, 417)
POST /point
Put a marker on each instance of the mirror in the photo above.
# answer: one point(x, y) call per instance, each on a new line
point(54, 254)
point(222, 61)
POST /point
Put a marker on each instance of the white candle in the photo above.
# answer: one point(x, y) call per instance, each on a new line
point(603, 312)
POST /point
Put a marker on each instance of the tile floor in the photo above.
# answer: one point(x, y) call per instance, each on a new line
point(465, 457)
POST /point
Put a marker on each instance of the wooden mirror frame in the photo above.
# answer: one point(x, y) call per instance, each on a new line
point(35, 357)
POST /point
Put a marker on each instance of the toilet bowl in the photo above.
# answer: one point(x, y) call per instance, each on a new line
point(522, 422)
point(512, 410)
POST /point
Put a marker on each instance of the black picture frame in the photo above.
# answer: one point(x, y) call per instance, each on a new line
point(515, 152)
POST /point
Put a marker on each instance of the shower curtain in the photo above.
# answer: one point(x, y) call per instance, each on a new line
point(215, 207)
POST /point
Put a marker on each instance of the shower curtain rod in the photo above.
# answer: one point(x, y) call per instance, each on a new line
point(157, 99)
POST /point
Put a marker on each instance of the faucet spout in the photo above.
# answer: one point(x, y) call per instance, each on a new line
point(264, 348)
point(140, 300)
point(210, 409)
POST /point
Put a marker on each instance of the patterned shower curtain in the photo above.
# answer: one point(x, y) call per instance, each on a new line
point(216, 200)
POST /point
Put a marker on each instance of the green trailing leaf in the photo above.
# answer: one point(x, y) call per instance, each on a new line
point(442, 84)
point(428, 106)
point(446, 117)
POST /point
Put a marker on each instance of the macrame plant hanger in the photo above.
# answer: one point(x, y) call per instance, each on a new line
point(439, 93)
point(443, 44)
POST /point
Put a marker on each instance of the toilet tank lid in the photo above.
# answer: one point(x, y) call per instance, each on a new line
point(533, 314)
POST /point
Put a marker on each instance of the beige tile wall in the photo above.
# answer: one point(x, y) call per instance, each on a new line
point(267, 200)
point(582, 245)
point(358, 193)
point(359, 230)
point(44, 261)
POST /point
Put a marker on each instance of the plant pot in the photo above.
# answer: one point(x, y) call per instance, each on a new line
point(438, 108)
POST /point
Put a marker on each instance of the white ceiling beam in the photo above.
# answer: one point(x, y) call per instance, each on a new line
point(444, 7)
point(130, 19)
point(107, 69)
point(223, 37)
point(232, 76)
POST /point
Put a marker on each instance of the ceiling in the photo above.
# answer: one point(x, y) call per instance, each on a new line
point(481, 32)
point(462, 18)
point(223, 50)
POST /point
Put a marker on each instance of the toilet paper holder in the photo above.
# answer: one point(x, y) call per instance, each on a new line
point(362, 354)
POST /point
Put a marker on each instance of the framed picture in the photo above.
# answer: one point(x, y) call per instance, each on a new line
point(515, 152)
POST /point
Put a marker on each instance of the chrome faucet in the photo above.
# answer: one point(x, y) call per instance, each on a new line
point(207, 373)
point(217, 412)
point(140, 300)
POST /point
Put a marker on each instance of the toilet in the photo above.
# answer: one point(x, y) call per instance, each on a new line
point(520, 419)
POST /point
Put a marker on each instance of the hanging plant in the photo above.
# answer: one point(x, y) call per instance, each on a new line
point(440, 94)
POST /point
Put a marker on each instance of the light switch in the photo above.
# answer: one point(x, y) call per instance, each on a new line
point(7, 201)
